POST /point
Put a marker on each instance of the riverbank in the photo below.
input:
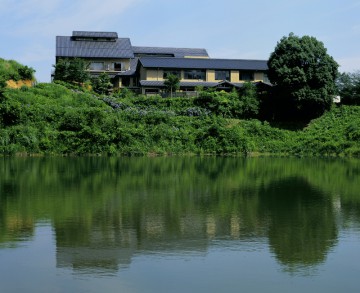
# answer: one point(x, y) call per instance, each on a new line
point(50, 119)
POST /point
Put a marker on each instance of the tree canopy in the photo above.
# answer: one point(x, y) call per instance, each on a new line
point(172, 83)
point(303, 75)
point(71, 70)
point(349, 88)
point(102, 84)
point(13, 70)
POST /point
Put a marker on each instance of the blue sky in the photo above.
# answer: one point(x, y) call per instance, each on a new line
point(227, 29)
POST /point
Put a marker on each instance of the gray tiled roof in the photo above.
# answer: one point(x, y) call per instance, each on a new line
point(203, 63)
point(87, 34)
point(67, 47)
point(175, 52)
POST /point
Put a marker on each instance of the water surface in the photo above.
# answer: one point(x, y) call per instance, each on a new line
point(179, 225)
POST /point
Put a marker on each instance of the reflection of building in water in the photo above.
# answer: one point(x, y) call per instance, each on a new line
point(98, 253)
point(94, 259)
point(296, 218)
point(107, 249)
point(15, 228)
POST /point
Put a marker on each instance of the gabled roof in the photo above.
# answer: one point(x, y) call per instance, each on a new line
point(118, 48)
point(203, 63)
point(172, 52)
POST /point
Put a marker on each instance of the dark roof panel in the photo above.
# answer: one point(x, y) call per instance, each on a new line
point(86, 34)
point(175, 52)
point(120, 48)
point(133, 66)
point(203, 63)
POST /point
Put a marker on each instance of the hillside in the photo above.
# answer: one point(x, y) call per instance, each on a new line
point(15, 75)
point(54, 120)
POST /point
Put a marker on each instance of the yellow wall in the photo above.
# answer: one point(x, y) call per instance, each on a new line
point(210, 75)
point(154, 74)
point(234, 76)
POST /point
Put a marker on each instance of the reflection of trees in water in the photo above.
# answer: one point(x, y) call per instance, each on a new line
point(15, 225)
point(106, 209)
point(302, 226)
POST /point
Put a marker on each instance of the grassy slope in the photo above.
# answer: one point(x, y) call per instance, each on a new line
point(13, 72)
point(52, 119)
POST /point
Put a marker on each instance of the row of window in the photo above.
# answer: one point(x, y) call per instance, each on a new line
point(200, 74)
point(100, 66)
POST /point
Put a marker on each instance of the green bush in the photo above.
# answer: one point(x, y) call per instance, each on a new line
point(12, 70)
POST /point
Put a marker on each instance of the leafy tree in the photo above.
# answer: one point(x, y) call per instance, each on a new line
point(303, 75)
point(2, 84)
point(248, 100)
point(102, 84)
point(71, 70)
point(348, 85)
point(218, 103)
point(26, 72)
point(172, 83)
point(13, 70)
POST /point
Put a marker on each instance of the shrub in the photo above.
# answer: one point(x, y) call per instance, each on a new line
point(71, 70)
point(102, 84)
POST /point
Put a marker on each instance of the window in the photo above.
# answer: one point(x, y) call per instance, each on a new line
point(195, 74)
point(97, 66)
point(171, 72)
point(247, 75)
point(222, 75)
point(117, 66)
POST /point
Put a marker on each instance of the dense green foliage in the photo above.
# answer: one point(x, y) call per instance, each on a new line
point(349, 88)
point(71, 70)
point(303, 75)
point(172, 83)
point(12, 70)
point(52, 119)
point(101, 84)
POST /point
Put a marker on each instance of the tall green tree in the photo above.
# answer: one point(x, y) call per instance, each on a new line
point(303, 75)
point(172, 83)
point(249, 100)
point(348, 85)
point(102, 84)
point(71, 70)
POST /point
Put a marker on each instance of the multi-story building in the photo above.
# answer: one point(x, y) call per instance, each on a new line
point(146, 68)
